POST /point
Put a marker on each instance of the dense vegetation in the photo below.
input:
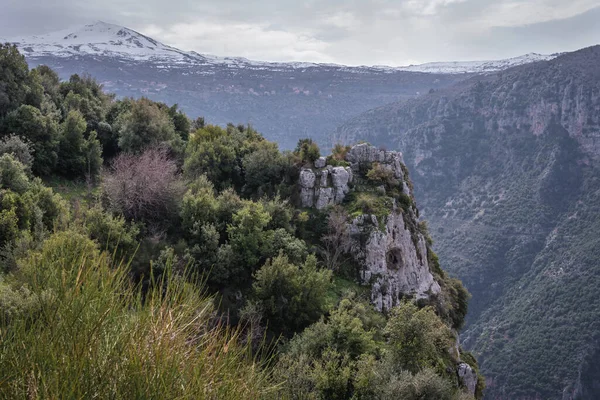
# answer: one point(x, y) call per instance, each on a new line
point(147, 255)
point(506, 171)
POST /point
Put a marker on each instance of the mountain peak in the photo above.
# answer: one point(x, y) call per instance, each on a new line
point(97, 38)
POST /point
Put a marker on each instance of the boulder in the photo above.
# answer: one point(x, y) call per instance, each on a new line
point(320, 162)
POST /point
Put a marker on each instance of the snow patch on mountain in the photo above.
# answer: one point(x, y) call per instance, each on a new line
point(109, 40)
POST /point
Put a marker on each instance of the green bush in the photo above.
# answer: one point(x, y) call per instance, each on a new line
point(291, 297)
point(307, 151)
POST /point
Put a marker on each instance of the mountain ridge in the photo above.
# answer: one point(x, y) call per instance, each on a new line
point(100, 38)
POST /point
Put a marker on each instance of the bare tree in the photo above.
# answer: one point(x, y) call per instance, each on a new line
point(145, 187)
point(336, 242)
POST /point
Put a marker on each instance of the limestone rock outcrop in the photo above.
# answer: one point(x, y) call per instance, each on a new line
point(392, 256)
point(322, 187)
point(468, 377)
point(393, 263)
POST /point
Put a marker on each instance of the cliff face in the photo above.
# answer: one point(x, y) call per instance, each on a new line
point(385, 239)
point(391, 253)
point(506, 170)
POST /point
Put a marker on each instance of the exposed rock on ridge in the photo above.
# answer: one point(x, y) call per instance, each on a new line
point(393, 265)
point(392, 254)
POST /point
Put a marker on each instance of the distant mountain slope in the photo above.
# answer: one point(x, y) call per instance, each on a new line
point(285, 101)
point(506, 167)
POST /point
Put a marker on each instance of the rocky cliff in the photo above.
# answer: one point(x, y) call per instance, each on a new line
point(386, 242)
point(391, 252)
point(506, 172)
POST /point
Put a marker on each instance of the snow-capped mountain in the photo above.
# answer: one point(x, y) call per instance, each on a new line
point(103, 39)
point(99, 39)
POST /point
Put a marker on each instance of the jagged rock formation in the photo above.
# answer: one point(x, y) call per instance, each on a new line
point(468, 377)
point(387, 245)
point(392, 264)
point(392, 259)
point(322, 187)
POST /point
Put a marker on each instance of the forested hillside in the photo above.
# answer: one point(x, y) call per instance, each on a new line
point(146, 255)
point(506, 171)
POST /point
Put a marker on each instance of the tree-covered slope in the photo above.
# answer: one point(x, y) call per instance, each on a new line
point(143, 254)
point(506, 171)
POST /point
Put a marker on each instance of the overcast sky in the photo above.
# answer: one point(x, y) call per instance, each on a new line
point(391, 32)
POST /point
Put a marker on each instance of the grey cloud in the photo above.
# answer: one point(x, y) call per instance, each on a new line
point(344, 31)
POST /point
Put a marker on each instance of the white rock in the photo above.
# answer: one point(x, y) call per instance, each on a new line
point(392, 263)
point(468, 377)
point(325, 197)
point(307, 178)
point(320, 162)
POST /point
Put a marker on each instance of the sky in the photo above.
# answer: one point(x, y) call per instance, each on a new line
point(353, 32)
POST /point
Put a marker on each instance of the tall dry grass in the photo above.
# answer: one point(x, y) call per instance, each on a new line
point(82, 330)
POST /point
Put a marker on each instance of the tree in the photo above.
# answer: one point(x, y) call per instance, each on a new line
point(291, 297)
point(145, 125)
point(212, 152)
point(247, 234)
point(336, 241)
point(417, 337)
point(145, 187)
point(19, 148)
point(13, 174)
point(42, 131)
point(71, 159)
point(13, 78)
point(85, 95)
point(307, 150)
point(263, 170)
point(181, 122)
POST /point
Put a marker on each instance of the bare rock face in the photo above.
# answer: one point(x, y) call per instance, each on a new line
point(307, 184)
point(392, 256)
point(468, 377)
point(392, 263)
point(322, 187)
point(320, 162)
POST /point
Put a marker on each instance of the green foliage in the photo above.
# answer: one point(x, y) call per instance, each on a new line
point(13, 175)
point(368, 203)
point(247, 234)
point(89, 287)
point(20, 149)
point(181, 122)
point(14, 78)
point(85, 95)
point(379, 174)
point(145, 125)
point(307, 151)
point(81, 320)
point(111, 233)
point(78, 156)
point(417, 337)
point(42, 131)
point(263, 170)
point(290, 296)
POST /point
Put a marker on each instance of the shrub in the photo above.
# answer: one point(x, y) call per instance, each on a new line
point(12, 174)
point(144, 187)
point(307, 150)
point(19, 148)
point(417, 337)
point(291, 297)
point(383, 175)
